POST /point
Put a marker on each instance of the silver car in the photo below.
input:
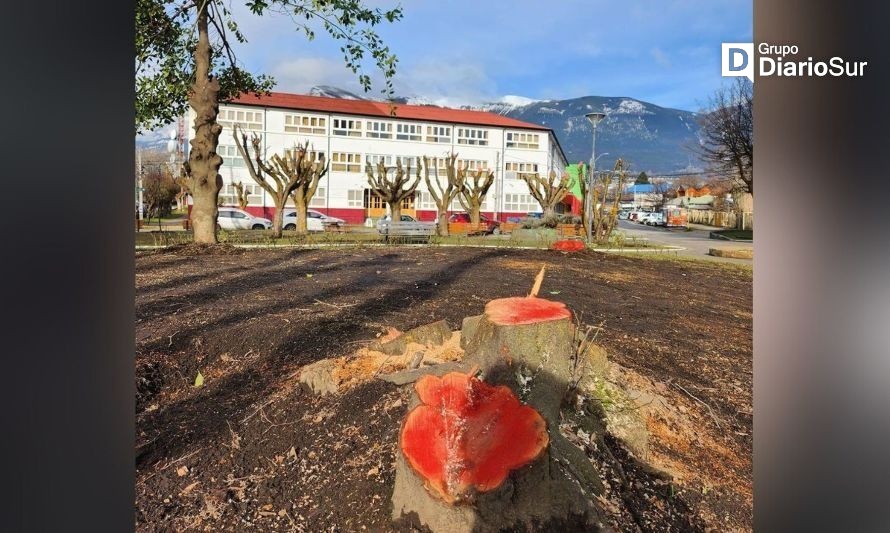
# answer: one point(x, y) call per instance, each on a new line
point(232, 218)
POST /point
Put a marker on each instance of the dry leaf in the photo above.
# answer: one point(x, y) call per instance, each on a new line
point(189, 488)
point(182, 470)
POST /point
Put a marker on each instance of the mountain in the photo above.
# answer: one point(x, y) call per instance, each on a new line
point(649, 137)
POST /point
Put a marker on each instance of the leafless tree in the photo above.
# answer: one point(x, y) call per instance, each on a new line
point(473, 191)
point(443, 195)
point(583, 184)
point(310, 173)
point(183, 193)
point(391, 186)
point(282, 177)
point(728, 133)
point(240, 195)
point(605, 215)
point(548, 191)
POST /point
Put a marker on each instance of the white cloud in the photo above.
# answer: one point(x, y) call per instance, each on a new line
point(300, 75)
point(661, 57)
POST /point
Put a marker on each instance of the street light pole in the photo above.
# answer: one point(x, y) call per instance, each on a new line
point(594, 119)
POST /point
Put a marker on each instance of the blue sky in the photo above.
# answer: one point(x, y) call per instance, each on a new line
point(461, 51)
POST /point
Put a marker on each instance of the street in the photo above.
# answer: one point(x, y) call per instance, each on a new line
point(696, 242)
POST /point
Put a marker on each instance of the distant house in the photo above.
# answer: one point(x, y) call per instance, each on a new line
point(693, 198)
point(644, 195)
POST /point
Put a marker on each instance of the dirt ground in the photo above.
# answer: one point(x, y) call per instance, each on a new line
point(251, 449)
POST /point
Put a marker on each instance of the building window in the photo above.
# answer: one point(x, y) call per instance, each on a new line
point(472, 164)
point(344, 162)
point(425, 200)
point(472, 136)
point(378, 130)
point(373, 159)
point(319, 198)
point(523, 140)
point(409, 161)
point(305, 124)
point(355, 198)
point(347, 127)
point(229, 196)
point(522, 203)
point(408, 132)
point(248, 120)
point(522, 169)
point(438, 134)
point(231, 156)
point(314, 155)
point(375, 202)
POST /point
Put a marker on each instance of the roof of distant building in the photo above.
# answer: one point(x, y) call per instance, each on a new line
point(641, 188)
point(372, 108)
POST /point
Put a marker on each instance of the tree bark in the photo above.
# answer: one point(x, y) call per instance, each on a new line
point(278, 219)
point(442, 226)
point(203, 164)
point(300, 205)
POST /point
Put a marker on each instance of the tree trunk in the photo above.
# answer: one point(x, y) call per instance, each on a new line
point(549, 212)
point(526, 345)
point(300, 205)
point(395, 209)
point(203, 168)
point(475, 209)
point(278, 219)
point(442, 227)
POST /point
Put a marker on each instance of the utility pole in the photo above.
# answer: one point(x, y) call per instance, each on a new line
point(594, 119)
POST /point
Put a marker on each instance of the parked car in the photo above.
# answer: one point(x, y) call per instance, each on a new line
point(383, 222)
point(624, 214)
point(653, 219)
point(231, 218)
point(637, 216)
point(491, 226)
point(315, 221)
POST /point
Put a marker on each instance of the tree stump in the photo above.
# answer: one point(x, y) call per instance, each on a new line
point(485, 454)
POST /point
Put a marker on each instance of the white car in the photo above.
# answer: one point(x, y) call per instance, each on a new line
point(315, 221)
point(232, 218)
point(653, 219)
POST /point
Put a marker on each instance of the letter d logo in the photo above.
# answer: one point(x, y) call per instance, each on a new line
point(737, 59)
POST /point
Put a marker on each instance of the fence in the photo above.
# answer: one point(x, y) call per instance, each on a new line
point(721, 219)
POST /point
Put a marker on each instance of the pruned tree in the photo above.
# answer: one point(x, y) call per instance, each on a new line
point(605, 214)
point(392, 185)
point(548, 191)
point(583, 184)
point(185, 58)
point(443, 195)
point(183, 193)
point(473, 190)
point(311, 172)
point(281, 177)
point(240, 195)
point(727, 127)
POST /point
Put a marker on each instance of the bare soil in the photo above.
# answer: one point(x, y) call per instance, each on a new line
point(252, 449)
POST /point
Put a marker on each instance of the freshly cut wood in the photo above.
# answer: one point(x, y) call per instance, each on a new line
point(568, 245)
point(517, 311)
point(466, 436)
point(463, 468)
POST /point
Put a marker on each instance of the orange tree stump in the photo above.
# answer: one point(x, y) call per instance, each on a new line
point(485, 453)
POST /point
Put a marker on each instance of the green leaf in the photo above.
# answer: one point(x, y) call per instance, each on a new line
point(199, 379)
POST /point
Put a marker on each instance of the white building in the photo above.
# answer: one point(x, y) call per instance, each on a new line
point(349, 133)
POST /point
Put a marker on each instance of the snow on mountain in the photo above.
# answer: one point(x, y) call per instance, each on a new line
point(334, 92)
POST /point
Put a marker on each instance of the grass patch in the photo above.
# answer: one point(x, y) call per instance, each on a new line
point(737, 234)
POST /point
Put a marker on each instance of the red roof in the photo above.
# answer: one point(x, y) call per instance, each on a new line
point(382, 109)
